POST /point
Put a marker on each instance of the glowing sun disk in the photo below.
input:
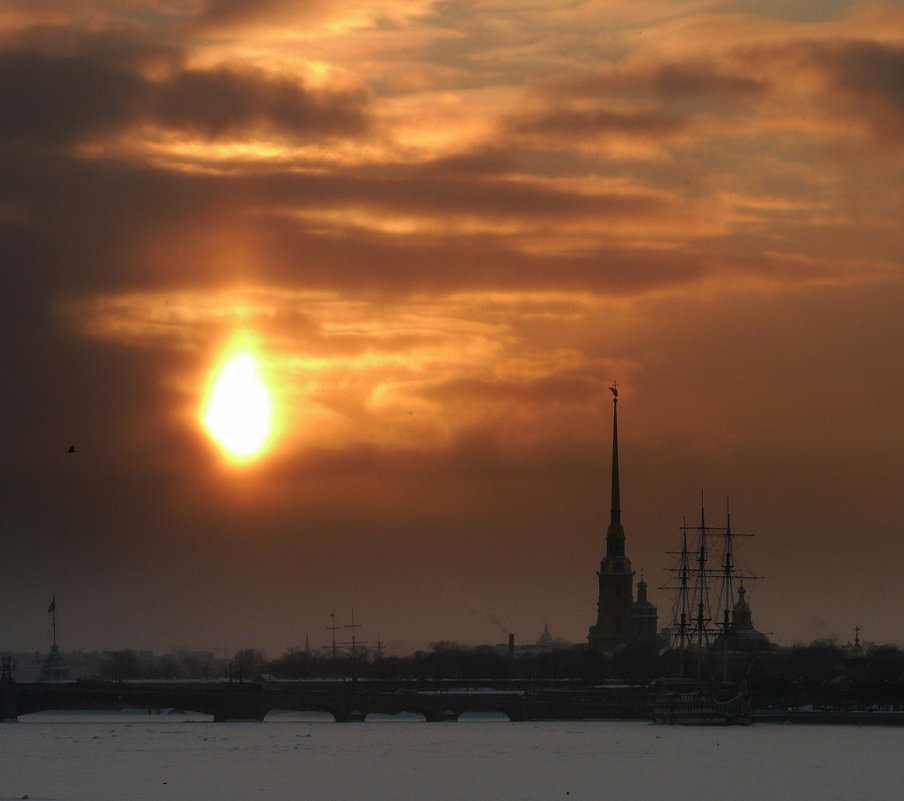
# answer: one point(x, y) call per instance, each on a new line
point(238, 410)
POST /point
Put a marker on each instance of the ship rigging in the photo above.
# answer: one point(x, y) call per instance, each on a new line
point(706, 581)
point(704, 617)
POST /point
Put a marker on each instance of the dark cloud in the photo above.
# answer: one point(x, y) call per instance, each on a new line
point(873, 68)
point(701, 79)
point(99, 212)
point(668, 97)
point(220, 11)
point(217, 13)
point(871, 76)
point(223, 101)
point(581, 124)
point(799, 10)
point(862, 79)
point(402, 189)
point(86, 217)
point(676, 80)
point(99, 223)
point(115, 46)
point(60, 100)
point(481, 161)
point(57, 100)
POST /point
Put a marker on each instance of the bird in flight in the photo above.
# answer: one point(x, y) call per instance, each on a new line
point(71, 449)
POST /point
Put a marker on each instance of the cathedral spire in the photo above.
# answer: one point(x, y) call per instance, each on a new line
point(615, 535)
point(619, 619)
point(615, 514)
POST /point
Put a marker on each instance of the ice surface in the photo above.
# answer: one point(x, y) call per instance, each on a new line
point(136, 756)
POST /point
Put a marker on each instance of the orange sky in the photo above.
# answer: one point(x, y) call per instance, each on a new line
point(445, 228)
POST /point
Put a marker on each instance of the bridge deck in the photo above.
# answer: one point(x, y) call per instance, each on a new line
point(344, 700)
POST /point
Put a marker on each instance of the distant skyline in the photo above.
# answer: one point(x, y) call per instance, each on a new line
point(443, 229)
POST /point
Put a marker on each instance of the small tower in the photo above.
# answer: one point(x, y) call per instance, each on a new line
point(644, 616)
point(741, 636)
point(741, 617)
point(545, 640)
point(613, 622)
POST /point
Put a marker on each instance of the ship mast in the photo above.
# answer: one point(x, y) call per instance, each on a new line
point(701, 594)
point(690, 611)
point(333, 628)
point(704, 603)
point(682, 605)
point(727, 590)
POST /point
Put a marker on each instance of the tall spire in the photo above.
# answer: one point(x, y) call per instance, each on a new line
point(615, 535)
point(615, 514)
point(619, 620)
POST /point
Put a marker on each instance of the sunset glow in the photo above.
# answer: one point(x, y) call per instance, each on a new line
point(238, 410)
point(354, 279)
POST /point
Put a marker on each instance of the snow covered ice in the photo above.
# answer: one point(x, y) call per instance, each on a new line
point(133, 757)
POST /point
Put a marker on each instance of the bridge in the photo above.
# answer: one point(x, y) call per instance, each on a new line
point(344, 700)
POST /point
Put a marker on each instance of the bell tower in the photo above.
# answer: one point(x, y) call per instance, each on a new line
point(613, 621)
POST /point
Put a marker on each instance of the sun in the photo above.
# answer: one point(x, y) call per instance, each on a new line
point(238, 411)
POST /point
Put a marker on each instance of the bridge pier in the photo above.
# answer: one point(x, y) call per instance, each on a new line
point(239, 708)
point(9, 698)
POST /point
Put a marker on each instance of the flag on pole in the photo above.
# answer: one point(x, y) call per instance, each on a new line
point(52, 607)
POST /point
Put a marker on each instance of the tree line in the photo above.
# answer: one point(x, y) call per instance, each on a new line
point(822, 673)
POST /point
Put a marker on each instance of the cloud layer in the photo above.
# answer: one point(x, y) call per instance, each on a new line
point(445, 228)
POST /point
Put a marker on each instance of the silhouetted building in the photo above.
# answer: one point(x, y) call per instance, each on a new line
point(545, 640)
point(743, 633)
point(619, 619)
point(644, 617)
point(742, 637)
point(545, 644)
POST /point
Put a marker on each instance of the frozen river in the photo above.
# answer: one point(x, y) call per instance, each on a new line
point(132, 757)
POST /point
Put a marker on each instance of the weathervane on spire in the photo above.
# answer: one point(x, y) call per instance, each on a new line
point(614, 390)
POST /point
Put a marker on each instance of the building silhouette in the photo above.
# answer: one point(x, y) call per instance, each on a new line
point(545, 640)
point(741, 637)
point(620, 619)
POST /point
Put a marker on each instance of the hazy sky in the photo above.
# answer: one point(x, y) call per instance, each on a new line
point(443, 229)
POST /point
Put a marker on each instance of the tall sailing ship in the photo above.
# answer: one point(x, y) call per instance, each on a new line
point(706, 623)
